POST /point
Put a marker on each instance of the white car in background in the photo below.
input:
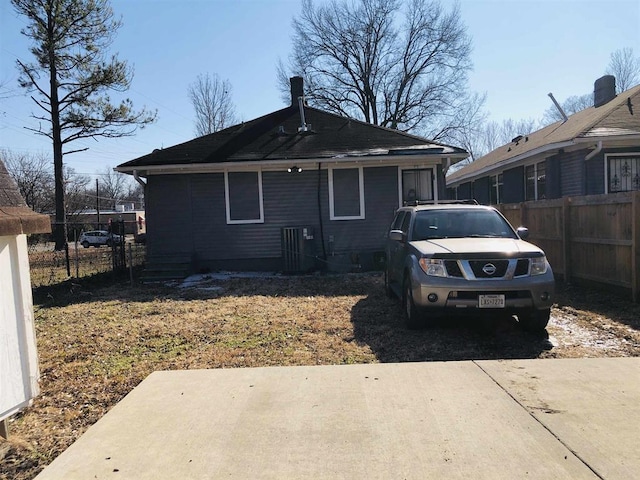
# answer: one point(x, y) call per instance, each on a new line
point(97, 238)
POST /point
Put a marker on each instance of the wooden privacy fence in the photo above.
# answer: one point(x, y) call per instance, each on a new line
point(592, 238)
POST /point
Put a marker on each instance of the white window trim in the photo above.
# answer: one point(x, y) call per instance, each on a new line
point(607, 156)
point(228, 206)
point(495, 187)
point(535, 178)
point(434, 181)
point(332, 215)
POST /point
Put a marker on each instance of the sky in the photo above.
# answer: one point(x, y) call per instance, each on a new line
point(522, 51)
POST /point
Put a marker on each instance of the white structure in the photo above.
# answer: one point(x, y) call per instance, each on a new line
point(18, 355)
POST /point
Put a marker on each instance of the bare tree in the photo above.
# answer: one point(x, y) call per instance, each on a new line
point(113, 187)
point(76, 188)
point(490, 135)
point(211, 99)
point(70, 80)
point(398, 64)
point(34, 176)
point(135, 195)
point(470, 127)
point(625, 67)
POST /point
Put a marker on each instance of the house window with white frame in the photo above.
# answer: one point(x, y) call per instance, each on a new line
point(243, 197)
point(417, 185)
point(535, 186)
point(346, 193)
point(495, 195)
point(623, 173)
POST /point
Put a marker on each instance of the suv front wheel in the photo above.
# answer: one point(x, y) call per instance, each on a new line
point(412, 316)
point(535, 320)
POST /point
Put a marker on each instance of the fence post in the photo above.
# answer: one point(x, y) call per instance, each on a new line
point(635, 247)
point(4, 429)
point(566, 238)
point(75, 244)
point(130, 263)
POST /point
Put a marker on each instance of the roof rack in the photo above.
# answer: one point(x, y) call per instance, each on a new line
point(468, 201)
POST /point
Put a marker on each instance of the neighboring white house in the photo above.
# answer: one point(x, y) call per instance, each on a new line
point(18, 356)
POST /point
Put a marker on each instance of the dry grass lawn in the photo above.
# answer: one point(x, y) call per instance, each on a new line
point(96, 344)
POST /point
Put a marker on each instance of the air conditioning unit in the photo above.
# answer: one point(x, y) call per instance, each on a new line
point(298, 252)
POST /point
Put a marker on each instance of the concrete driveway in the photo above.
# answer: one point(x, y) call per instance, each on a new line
point(534, 419)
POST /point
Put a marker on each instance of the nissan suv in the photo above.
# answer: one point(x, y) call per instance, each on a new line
point(465, 258)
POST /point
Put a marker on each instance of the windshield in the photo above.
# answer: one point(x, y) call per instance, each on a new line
point(451, 223)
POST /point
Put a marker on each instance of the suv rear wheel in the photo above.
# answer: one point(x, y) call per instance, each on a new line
point(85, 244)
point(535, 320)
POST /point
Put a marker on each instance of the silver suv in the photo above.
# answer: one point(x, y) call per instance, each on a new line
point(463, 258)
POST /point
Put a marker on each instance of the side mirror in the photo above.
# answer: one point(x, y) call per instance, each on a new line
point(397, 236)
point(523, 232)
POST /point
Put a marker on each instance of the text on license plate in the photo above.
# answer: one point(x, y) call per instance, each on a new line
point(490, 301)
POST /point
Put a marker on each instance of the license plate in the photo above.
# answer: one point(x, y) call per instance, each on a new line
point(490, 301)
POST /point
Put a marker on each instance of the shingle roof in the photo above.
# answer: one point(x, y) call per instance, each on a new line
point(275, 137)
point(15, 216)
point(619, 117)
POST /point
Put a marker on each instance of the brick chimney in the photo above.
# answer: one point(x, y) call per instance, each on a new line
point(604, 90)
point(297, 89)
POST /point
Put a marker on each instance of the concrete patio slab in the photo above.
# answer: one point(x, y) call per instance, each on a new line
point(591, 404)
point(413, 421)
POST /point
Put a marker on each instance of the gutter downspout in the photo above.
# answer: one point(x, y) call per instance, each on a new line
point(588, 157)
point(138, 179)
point(592, 154)
point(319, 198)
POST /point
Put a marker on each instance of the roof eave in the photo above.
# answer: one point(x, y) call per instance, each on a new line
point(510, 160)
point(578, 141)
point(145, 170)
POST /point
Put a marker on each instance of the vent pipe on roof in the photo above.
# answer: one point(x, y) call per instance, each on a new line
point(555, 102)
point(297, 96)
point(303, 125)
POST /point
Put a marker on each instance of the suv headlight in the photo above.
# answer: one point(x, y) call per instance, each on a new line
point(433, 267)
point(538, 265)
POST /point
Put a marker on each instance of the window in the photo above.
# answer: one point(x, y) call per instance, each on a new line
point(495, 194)
point(397, 222)
point(535, 181)
point(541, 177)
point(346, 193)
point(417, 185)
point(243, 197)
point(623, 173)
point(405, 223)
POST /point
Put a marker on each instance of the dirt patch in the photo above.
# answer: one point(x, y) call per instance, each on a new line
point(96, 344)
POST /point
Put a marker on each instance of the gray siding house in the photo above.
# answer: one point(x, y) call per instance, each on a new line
point(295, 190)
point(594, 151)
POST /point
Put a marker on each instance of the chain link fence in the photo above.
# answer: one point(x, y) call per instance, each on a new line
point(50, 267)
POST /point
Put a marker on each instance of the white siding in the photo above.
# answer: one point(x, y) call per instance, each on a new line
point(18, 356)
